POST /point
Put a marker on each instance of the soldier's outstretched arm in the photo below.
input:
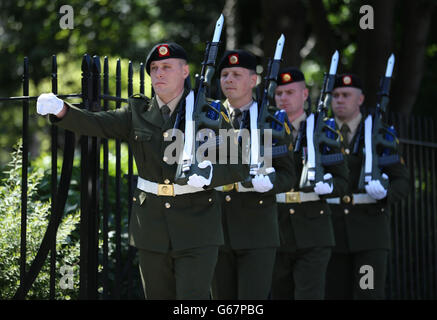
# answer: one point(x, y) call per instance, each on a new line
point(104, 124)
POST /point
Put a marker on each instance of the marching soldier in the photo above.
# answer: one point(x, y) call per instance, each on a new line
point(176, 228)
point(305, 225)
point(245, 263)
point(357, 269)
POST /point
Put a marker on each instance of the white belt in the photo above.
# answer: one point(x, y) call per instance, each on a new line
point(357, 198)
point(296, 197)
point(237, 186)
point(165, 189)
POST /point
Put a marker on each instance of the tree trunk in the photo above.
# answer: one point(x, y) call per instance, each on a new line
point(287, 17)
point(230, 14)
point(417, 17)
point(326, 42)
point(373, 49)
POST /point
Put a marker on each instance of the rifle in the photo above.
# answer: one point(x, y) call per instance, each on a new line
point(380, 141)
point(268, 118)
point(321, 137)
point(204, 115)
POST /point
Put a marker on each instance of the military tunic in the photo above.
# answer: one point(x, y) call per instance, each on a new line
point(250, 223)
point(362, 231)
point(307, 236)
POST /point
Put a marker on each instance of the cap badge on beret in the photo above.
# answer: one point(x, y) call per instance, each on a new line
point(347, 80)
point(163, 50)
point(233, 59)
point(286, 77)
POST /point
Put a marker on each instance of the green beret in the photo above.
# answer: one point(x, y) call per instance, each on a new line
point(289, 75)
point(164, 51)
point(237, 58)
point(348, 80)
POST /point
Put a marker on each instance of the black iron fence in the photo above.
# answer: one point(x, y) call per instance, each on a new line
point(413, 264)
point(96, 212)
point(412, 270)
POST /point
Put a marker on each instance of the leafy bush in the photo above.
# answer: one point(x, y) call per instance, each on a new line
point(67, 249)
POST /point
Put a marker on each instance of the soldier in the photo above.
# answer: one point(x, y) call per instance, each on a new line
point(177, 229)
point(357, 269)
point(245, 263)
point(305, 225)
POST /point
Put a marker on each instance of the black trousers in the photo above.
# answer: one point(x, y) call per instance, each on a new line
point(357, 276)
point(243, 274)
point(300, 275)
point(185, 274)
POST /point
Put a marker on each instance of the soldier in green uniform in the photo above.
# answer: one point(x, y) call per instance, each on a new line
point(305, 225)
point(176, 228)
point(358, 266)
point(245, 263)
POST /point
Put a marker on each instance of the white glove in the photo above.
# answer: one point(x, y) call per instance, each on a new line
point(262, 183)
point(49, 103)
point(375, 189)
point(199, 181)
point(323, 187)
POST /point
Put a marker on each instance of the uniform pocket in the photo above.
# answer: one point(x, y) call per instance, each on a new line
point(315, 210)
point(375, 210)
point(141, 135)
point(141, 143)
point(139, 198)
point(204, 198)
point(252, 200)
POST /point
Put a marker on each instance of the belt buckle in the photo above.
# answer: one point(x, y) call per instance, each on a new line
point(228, 187)
point(165, 190)
point(292, 197)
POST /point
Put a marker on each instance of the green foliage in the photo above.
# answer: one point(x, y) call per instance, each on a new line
point(129, 288)
point(67, 250)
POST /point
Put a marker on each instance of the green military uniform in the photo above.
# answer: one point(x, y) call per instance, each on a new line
point(186, 227)
point(307, 236)
point(245, 262)
point(362, 230)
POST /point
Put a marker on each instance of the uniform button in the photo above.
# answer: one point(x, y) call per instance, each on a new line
point(165, 159)
point(382, 209)
point(346, 199)
point(136, 137)
point(210, 200)
point(346, 211)
point(322, 212)
point(228, 198)
point(134, 199)
point(165, 134)
point(261, 202)
point(166, 181)
point(167, 205)
point(347, 151)
point(291, 211)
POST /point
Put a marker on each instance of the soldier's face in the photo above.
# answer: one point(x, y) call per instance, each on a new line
point(168, 77)
point(346, 102)
point(237, 84)
point(291, 97)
